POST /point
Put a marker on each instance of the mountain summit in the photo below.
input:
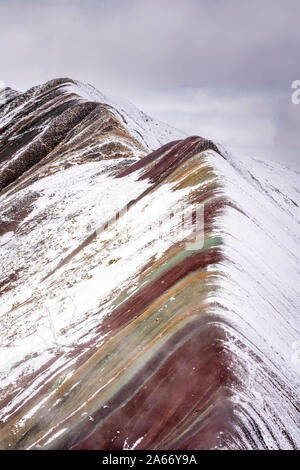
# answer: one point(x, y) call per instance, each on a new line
point(148, 283)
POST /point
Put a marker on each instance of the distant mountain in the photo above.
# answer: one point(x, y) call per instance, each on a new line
point(149, 282)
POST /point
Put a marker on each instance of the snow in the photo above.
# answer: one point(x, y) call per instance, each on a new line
point(259, 289)
point(151, 133)
point(72, 203)
point(258, 296)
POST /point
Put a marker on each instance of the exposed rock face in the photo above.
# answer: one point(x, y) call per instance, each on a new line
point(6, 95)
point(49, 121)
point(148, 283)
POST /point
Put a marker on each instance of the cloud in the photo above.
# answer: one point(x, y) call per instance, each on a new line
point(238, 57)
point(232, 43)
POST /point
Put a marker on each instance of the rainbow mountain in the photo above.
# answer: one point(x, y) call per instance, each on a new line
point(149, 282)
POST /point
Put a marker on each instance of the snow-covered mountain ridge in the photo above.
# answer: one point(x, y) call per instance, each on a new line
point(148, 282)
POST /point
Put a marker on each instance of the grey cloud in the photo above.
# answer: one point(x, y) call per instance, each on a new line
point(238, 57)
point(287, 137)
point(233, 43)
point(258, 123)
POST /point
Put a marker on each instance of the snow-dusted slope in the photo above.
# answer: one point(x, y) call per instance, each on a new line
point(147, 301)
point(259, 297)
point(150, 132)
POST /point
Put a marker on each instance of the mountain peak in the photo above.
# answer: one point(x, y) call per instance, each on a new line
point(148, 282)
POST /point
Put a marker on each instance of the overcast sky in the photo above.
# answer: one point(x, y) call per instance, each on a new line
point(221, 69)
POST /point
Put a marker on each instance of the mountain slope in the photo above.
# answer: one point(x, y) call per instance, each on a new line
point(148, 300)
